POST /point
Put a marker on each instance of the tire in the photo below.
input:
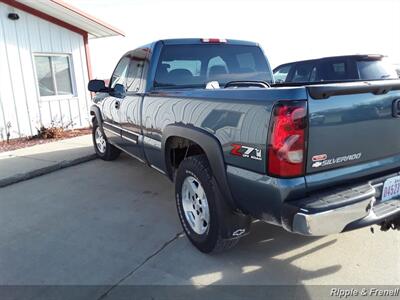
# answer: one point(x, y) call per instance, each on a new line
point(102, 147)
point(204, 233)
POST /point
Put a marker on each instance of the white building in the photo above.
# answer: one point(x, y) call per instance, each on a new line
point(45, 65)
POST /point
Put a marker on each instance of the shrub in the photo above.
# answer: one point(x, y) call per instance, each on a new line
point(55, 130)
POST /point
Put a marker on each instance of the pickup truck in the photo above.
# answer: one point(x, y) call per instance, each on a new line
point(315, 159)
point(336, 68)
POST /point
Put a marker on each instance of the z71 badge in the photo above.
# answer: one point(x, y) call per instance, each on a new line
point(246, 151)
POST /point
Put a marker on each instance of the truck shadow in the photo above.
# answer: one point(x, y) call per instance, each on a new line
point(269, 256)
point(262, 266)
point(268, 260)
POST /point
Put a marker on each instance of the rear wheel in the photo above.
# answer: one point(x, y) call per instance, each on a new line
point(199, 206)
point(102, 147)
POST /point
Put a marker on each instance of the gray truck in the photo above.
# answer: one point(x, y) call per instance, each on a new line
point(336, 69)
point(316, 159)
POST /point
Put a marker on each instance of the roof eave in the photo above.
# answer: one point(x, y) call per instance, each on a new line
point(73, 19)
point(94, 19)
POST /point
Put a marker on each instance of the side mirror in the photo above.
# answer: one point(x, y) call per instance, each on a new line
point(96, 85)
point(119, 91)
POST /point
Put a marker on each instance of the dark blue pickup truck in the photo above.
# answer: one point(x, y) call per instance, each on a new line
point(316, 159)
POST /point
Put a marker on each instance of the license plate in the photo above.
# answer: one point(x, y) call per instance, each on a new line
point(391, 188)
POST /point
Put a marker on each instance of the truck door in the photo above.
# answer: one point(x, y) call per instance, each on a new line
point(112, 103)
point(130, 111)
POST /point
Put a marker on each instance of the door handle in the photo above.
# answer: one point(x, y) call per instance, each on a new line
point(117, 104)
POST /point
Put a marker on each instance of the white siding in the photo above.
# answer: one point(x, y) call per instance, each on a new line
point(21, 107)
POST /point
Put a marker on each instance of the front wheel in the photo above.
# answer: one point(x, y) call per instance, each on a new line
point(200, 206)
point(102, 147)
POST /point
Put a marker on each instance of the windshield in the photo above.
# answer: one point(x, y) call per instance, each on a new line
point(376, 69)
point(196, 65)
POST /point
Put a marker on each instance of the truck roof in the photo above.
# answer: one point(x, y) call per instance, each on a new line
point(199, 41)
point(357, 56)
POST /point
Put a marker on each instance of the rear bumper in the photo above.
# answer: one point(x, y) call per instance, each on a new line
point(340, 209)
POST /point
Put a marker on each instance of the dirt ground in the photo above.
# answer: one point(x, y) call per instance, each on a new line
point(31, 141)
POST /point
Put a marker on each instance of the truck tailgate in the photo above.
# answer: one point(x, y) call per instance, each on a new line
point(352, 123)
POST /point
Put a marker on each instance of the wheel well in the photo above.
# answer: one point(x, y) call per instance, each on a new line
point(93, 116)
point(177, 149)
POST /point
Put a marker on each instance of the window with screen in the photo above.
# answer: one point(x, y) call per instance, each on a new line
point(53, 74)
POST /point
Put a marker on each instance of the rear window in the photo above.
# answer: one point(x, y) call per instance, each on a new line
point(196, 65)
point(376, 69)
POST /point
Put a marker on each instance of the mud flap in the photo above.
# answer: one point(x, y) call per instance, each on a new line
point(234, 224)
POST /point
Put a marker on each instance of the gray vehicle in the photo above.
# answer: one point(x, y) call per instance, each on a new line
point(315, 159)
point(336, 69)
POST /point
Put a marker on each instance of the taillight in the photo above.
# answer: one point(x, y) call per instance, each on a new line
point(287, 139)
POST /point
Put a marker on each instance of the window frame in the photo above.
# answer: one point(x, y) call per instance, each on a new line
point(71, 74)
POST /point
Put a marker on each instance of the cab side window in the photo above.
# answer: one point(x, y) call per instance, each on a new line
point(281, 73)
point(137, 60)
point(120, 72)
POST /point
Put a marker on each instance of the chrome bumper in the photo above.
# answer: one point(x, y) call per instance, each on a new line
point(331, 221)
point(359, 208)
